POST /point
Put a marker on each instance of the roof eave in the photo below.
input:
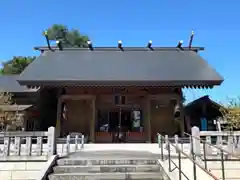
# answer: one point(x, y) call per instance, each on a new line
point(187, 84)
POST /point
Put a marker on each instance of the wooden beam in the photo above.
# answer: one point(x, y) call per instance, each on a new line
point(164, 96)
point(77, 97)
point(182, 115)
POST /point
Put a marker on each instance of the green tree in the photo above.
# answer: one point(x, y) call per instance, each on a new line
point(232, 114)
point(16, 65)
point(6, 119)
point(69, 38)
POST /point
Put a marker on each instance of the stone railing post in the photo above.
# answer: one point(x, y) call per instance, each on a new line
point(237, 145)
point(196, 143)
point(6, 146)
point(52, 147)
point(176, 142)
point(231, 144)
point(17, 145)
point(39, 146)
point(159, 140)
point(76, 142)
point(219, 141)
point(68, 144)
point(208, 146)
point(82, 141)
point(166, 142)
point(29, 145)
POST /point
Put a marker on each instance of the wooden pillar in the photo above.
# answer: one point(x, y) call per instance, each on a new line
point(93, 120)
point(58, 120)
point(148, 101)
point(182, 115)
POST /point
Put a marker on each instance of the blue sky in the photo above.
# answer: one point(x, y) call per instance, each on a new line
point(135, 22)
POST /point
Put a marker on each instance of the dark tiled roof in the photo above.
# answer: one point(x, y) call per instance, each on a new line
point(213, 109)
point(9, 83)
point(104, 66)
point(201, 100)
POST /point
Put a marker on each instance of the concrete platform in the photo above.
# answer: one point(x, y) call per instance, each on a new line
point(20, 170)
point(23, 158)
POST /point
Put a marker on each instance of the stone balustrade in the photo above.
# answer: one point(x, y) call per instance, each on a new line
point(38, 143)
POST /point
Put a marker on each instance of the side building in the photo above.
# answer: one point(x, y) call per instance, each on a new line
point(204, 113)
point(16, 110)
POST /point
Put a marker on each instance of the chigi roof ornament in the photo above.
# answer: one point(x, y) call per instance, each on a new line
point(45, 33)
point(90, 46)
point(149, 45)
point(59, 46)
point(191, 40)
point(120, 45)
point(180, 43)
point(58, 42)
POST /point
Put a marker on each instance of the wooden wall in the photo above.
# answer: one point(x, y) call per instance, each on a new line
point(160, 110)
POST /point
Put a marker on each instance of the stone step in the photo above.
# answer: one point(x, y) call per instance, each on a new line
point(105, 176)
point(106, 168)
point(122, 161)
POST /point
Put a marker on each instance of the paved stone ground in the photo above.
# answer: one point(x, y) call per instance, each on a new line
point(20, 170)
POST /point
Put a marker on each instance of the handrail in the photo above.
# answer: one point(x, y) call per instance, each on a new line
point(192, 159)
point(215, 146)
point(222, 151)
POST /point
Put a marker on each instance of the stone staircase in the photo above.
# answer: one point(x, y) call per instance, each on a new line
point(109, 167)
